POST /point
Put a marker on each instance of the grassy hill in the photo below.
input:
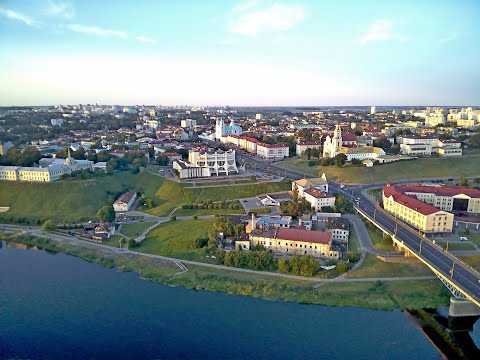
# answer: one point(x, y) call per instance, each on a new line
point(467, 165)
point(79, 200)
point(71, 200)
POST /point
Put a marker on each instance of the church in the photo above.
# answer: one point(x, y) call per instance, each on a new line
point(337, 145)
point(222, 130)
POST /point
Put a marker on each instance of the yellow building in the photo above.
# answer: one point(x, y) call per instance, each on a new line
point(290, 241)
point(415, 212)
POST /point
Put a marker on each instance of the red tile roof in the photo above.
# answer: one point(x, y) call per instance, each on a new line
point(271, 145)
point(308, 143)
point(439, 190)
point(410, 201)
point(349, 137)
point(312, 236)
point(318, 194)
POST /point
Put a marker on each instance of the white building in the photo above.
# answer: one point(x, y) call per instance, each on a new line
point(372, 110)
point(188, 123)
point(258, 116)
point(318, 199)
point(302, 146)
point(334, 145)
point(272, 151)
point(222, 130)
point(56, 122)
point(206, 163)
point(434, 119)
point(124, 201)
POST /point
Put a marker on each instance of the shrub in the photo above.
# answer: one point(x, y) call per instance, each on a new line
point(342, 267)
point(173, 218)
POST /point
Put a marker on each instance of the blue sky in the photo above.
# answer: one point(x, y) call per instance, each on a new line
point(324, 52)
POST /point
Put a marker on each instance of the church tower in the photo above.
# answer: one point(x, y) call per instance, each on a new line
point(219, 128)
point(337, 138)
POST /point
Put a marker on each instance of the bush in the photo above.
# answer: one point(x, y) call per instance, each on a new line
point(132, 243)
point(48, 225)
point(312, 162)
point(200, 242)
point(194, 217)
point(173, 218)
point(342, 267)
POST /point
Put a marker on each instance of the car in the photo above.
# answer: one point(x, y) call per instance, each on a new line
point(342, 186)
point(463, 238)
point(244, 200)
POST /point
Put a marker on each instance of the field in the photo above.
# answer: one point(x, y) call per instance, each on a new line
point(467, 165)
point(135, 229)
point(377, 239)
point(191, 212)
point(353, 244)
point(373, 295)
point(72, 200)
point(473, 261)
point(174, 239)
point(234, 192)
point(373, 267)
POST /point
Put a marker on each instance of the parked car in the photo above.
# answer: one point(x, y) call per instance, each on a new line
point(463, 238)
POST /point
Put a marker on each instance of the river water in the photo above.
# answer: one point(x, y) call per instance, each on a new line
point(58, 306)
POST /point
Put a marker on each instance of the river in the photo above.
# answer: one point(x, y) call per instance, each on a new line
point(57, 306)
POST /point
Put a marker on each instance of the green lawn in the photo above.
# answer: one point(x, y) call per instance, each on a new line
point(467, 165)
point(473, 237)
point(457, 246)
point(353, 244)
point(377, 239)
point(234, 192)
point(174, 239)
point(71, 200)
point(135, 229)
point(114, 241)
point(473, 261)
point(226, 210)
point(373, 267)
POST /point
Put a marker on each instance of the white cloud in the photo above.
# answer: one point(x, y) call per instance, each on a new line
point(226, 42)
point(448, 38)
point(276, 18)
point(63, 9)
point(380, 30)
point(96, 31)
point(244, 6)
point(145, 40)
point(14, 15)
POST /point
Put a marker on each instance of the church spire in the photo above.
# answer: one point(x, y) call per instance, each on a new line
point(68, 152)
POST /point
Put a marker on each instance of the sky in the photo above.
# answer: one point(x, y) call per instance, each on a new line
point(240, 53)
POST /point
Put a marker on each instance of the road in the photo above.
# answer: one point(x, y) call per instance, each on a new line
point(464, 277)
point(36, 231)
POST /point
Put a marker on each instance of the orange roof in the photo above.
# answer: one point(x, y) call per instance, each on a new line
point(317, 193)
point(410, 201)
point(292, 234)
point(439, 190)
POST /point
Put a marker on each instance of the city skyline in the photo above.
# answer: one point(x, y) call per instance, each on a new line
point(250, 53)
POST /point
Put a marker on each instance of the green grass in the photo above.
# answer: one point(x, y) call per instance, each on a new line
point(135, 229)
point(373, 267)
point(71, 200)
point(353, 244)
point(174, 239)
point(226, 210)
point(467, 165)
point(473, 261)
point(377, 239)
point(456, 246)
point(264, 210)
point(234, 192)
point(373, 295)
point(114, 241)
point(473, 237)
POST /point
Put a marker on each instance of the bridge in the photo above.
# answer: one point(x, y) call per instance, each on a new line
point(462, 281)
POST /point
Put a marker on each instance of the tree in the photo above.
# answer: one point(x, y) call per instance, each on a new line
point(342, 267)
point(48, 225)
point(383, 143)
point(106, 213)
point(462, 181)
point(340, 160)
point(305, 265)
point(295, 192)
point(161, 160)
point(195, 217)
point(325, 162)
point(283, 266)
point(173, 218)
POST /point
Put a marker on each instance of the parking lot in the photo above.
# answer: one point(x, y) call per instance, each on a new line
point(254, 203)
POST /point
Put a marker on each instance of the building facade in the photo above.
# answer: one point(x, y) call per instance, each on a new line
point(421, 215)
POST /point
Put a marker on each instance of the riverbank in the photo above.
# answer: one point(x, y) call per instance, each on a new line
point(384, 295)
